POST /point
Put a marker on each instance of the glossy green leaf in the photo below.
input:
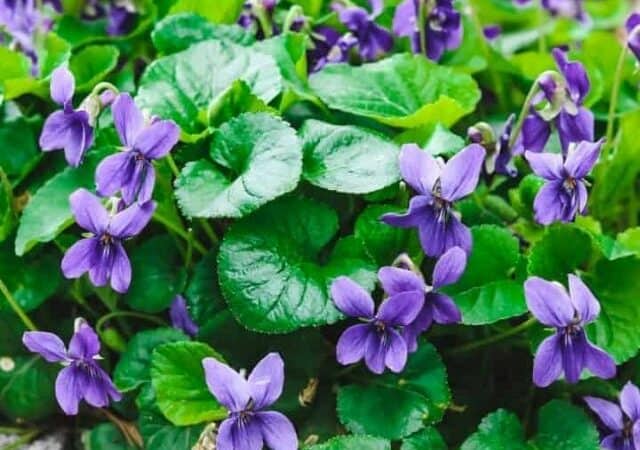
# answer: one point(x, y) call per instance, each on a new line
point(258, 157)
point(562, 250)
point(156, 431)
point(353, 443)
point(396, 406)
point(134, 365)
point(382, 242)
point(92, 64)
point(403, 91)
point(235, 100)
point(427, 439)
point(178, 379)
point(348, 159)
point(271, 270)
point(575, 430)
point(158, 275)
point(488, 290)
point(182, 86)
point(499, 430)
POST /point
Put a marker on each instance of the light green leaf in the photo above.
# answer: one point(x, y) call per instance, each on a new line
point(348, 159)
point(214, 10)
point(178, 379)
point(134, 365)
point(177, 32)
point(259, 158)
point(562, 249)
point(404, 91)
point(182, 86)
point(92, 64)
point(270, 266)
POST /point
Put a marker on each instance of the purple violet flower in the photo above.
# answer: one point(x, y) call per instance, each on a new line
point(379, 340)
point(560, 101)
point(102, 254)
point(131, 170)
point(249, 426)
point(438, 186)
point(633, 31)
point(253, 11)
point(82, 376)
point(180, 317)
point(568, 350)
point(372, 39)
point(492, 32)
point(442, 23)
point(438, 307)
point(324, 39)
point(564, 195)
point(622, 422)
point(69, 129)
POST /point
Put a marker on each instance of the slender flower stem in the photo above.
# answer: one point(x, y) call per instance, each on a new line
point(16, 307)
point(615, 91)
point(103, 86)
point(180, 232)
point(422, 17)
point(213, 237)
point(22, 440)
point(115, 314)
point(172, 165)
point(495, 338)
point(189, 255)
point(264, 21)
point(523, 113)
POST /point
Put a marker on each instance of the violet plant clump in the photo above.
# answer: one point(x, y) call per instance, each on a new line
point(320, 224)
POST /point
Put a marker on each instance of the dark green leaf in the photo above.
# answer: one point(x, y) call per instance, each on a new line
point(105, 437)
point(158, 275)
point(562, 249)
point(353, 443)
point(427, 439)
point(499, 430)
point(274, 272)
point(26, 390)
point(395, 406)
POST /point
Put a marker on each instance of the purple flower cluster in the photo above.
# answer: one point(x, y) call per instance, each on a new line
point(432, 26)
point(568, 350)
point(388, 335)
point(249, 425)
point(438, 187)
point(633, 30)
point(180, 317)
point(499, 151)
point(130, 172)
point(82, 376)
point(622, 422)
